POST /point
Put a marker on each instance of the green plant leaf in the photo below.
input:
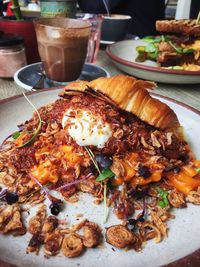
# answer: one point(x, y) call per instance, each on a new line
point(106, 173)
point(164, 196)
point(162, 204)
point(150, 48)
point(140, 48)
point(148, 39)
point(15, 135)
point(181, 50)
point(197, 170)
point(36, 132)
point(187, 50)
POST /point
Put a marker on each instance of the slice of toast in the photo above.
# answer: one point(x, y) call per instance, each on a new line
point(182, 26)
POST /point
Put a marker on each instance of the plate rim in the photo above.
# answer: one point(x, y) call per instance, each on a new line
point(30, 88)
point(145, 67)
point(192, 259)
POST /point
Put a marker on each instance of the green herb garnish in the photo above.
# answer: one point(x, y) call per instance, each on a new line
point(164, 196)
point(36, 132)
point(105, 203)
point(15, 135)
point(106, 173)
point(150, 48)
point(140, 48)
point(148, 39)
point(197, 170)
point(158, 39)
point(103, 175)
point(181, 50)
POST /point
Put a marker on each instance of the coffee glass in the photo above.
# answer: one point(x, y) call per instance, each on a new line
point(62, 45)
point(94, 39)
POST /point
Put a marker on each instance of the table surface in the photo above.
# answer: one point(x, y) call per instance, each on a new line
point(188, 94)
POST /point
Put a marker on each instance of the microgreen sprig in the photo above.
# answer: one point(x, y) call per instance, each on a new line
point(15, 135)
point(91, 155)
point(103, 175)
point(38, 128)
point(181, 50)
point(105, 203)
point(106, 173)
point(164, 196)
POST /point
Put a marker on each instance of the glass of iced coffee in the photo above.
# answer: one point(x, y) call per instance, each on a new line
point(62, 45)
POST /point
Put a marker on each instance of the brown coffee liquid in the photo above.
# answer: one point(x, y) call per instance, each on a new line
point(63, 61)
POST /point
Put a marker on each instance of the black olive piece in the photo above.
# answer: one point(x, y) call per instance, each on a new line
point(183, 157)
point(55, 208)
point(144, 171)
point(141, 219)
point(103, 160)
point(176, 169)
point(132, 222)
point(11, 197)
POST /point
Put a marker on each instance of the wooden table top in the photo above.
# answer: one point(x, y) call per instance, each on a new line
point(188, 94)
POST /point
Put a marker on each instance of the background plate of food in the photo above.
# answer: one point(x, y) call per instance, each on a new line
point(172, 57)
point(179, 227)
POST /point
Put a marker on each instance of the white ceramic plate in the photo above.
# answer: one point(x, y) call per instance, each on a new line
point(184, 231)
point(123, 55)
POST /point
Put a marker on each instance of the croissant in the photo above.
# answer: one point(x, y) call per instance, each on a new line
point(131, 95)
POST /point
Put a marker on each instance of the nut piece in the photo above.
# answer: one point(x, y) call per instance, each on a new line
point(92, 235)
point(72, 246)
point(119, 236)
point(177, 199)
point(52, 243)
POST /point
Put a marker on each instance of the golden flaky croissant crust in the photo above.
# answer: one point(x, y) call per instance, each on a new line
point(131, 95)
